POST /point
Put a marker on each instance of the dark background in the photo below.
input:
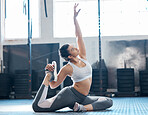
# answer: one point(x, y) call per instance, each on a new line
point(16, 60)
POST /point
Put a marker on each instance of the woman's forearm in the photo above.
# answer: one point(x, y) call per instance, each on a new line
point(78, 32)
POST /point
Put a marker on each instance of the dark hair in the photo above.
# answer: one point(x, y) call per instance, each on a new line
point(64, 52)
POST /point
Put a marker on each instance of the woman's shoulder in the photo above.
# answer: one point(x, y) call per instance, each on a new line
point(67, 68)
point(68, 65)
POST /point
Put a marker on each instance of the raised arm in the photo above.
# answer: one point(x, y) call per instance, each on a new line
point(80, 42)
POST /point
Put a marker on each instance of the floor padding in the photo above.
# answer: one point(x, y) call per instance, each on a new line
point(121, 106)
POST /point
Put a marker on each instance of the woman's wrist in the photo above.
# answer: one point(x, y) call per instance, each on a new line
point(74, 17)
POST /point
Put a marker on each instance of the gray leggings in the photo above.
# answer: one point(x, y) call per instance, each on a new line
point(66, 98)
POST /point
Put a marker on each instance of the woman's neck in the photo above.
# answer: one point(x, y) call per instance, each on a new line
point(75, 60)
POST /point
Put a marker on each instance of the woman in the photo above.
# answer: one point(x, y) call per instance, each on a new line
point(74, 97)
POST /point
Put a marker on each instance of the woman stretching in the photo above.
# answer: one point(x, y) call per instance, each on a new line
point(78, 68)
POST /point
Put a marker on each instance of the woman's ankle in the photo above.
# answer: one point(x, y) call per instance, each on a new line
point(46, 80)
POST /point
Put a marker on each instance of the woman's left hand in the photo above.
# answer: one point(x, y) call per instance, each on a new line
point(76, 12)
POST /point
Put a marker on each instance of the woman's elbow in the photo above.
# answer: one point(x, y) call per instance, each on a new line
point(53, 85)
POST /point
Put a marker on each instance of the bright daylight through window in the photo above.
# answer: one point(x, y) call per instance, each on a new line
point(16, 21)
point(118, 17)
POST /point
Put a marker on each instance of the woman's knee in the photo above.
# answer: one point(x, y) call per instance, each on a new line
point(110, 102)
point(107, 101)
point(35, 107)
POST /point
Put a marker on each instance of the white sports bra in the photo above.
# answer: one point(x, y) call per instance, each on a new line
point(81, 73)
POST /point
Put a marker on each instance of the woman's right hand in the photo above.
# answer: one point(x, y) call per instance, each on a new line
point(49, 67)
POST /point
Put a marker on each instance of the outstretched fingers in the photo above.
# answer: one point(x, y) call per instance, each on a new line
point(75, 6)
point(76, 12)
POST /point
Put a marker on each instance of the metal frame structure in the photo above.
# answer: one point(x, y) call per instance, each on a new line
point(100, 52)
point(29, 49)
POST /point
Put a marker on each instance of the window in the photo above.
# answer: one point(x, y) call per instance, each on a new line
point(124, 17)
point(16, 21)
point(63, 18)
point(118, 17)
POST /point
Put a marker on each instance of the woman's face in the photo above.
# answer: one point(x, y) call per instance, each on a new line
point(73, 50)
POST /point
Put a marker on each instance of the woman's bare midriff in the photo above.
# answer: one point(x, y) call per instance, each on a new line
point(83, 87)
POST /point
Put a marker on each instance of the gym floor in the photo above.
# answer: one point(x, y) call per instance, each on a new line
point(122, 106)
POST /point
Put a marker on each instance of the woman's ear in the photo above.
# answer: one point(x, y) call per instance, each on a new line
point(70, 56)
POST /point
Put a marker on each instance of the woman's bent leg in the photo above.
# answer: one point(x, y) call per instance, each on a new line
point(40, 103)
point(97, 103)
point(102, 103)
